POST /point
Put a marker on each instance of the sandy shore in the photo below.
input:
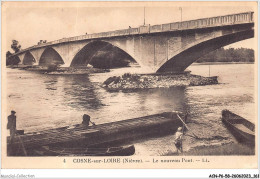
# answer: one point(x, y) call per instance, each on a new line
point(225, 149)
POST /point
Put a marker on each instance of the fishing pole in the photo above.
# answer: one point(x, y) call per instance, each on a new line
point(187, 126)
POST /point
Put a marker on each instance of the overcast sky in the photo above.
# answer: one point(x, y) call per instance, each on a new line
point(29, 24)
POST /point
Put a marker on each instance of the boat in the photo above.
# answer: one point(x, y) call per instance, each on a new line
point(242, 129)
point(106, 134)
point(109, 151)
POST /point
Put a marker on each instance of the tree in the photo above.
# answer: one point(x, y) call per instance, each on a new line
point(8, 54)
point(12, 61)
point(16, 46)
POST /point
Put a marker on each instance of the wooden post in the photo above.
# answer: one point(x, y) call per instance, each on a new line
point(167, 50)
point(144, 16)
point(154, 60)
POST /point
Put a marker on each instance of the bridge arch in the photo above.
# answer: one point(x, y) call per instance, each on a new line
point(88, 52)
point(50, 57)
point(28, 59)
point(192, 52)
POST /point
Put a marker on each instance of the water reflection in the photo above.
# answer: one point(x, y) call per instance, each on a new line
point(58, 100)
point(79, 92)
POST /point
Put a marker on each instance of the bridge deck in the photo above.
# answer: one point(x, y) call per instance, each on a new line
point(241, 18)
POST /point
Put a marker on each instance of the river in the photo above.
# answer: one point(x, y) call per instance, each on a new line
point(48, 101)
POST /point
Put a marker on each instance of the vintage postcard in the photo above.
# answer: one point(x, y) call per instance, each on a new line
point(135, 85)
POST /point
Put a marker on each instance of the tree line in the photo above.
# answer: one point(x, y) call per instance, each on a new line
point(229, 55)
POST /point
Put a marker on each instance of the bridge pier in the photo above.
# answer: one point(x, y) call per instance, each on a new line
point(36, 53)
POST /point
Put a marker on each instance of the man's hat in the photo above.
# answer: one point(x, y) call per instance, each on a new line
point(86, 116)
point(179, 128)
point(13, 112)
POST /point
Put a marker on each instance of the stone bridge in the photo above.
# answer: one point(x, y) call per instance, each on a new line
point(168, 47)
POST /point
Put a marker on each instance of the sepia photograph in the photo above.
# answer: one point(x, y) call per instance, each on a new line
point(129, 84)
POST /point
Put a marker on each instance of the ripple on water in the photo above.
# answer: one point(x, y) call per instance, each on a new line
point(47, 101)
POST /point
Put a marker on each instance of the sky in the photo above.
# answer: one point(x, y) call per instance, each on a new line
point(29, 23)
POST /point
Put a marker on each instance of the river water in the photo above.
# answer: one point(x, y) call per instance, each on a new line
point(48, 101)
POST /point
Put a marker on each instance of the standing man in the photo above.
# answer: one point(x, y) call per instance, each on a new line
point(11, 125)
point(178, 139)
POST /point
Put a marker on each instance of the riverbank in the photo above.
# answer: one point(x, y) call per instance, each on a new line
point(76, 71)
point(220, 63)
point(136, 81)
point(61, 70)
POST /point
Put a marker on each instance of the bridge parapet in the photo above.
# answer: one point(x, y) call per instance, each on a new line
point(246, 17)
